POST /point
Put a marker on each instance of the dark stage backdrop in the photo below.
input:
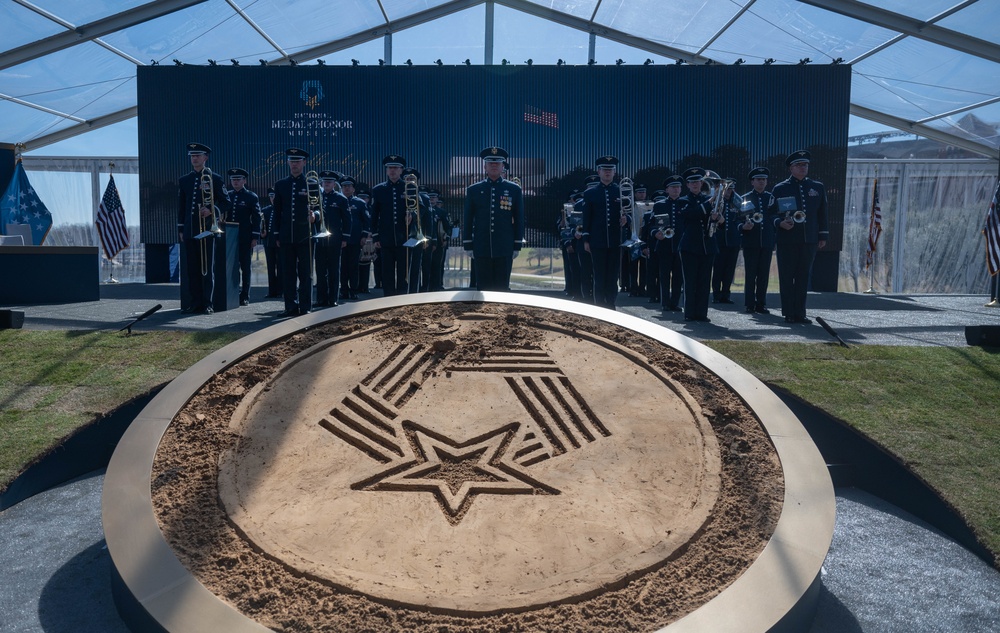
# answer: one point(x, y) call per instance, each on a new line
point(554, 121)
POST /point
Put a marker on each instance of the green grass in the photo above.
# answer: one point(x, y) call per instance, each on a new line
point(935, 408)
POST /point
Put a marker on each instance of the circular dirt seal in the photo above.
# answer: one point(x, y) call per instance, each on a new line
point(533, 472)
point(466, 461)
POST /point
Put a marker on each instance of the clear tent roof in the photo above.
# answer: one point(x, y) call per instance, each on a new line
point(928, 67)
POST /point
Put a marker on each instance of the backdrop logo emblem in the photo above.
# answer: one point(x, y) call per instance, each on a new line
point(311, 93)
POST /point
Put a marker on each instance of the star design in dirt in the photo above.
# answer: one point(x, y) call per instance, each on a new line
point(455, 472)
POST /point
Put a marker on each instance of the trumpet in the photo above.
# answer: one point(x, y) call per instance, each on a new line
point(411, 194)
point(661, 221)
point(750, 213)
point(799, 217)
point(314, 198)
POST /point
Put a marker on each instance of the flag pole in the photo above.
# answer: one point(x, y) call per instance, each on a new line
point(871, 219)
point(111, 264)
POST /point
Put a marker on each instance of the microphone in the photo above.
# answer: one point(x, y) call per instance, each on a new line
point(140, 318)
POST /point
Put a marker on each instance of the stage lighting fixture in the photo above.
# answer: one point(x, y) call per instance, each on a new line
point(768, 61)
point(320, 62)
point(263, 62)
point(648, 62)
point(292, 62)
point(839, 60)
point(355, 62)
point(212, 62)
point(409, 62)
point(154, 62)
point(178, 62)
point(619, 61)
point(560, 62)
point(679, 62)
point(235, 61)
point(504, 62)
point(529, 61)
point(804, 61)
point(592, 62)
point(739, 62)
point(709, 62)
point(439, 62)
point(381, 62)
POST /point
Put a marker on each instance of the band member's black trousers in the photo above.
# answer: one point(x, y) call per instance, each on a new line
point(607, 266)
point(794, 267)
point(272, 255)
point(393, 260)
point(493, 273)
point(724, 271)
point(328, 253)
point(200, 287)
point(671, 279)
point(416, 268)
point(349, 270)
point(244, 250)
point(697, 283)
point(757, 263)
point(297, 265)
point(586, 277)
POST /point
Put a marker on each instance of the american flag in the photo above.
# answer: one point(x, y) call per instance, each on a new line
point(992, 233)
point(21, 205)
point(111, 227)
point(541, 117)
point(874, 226)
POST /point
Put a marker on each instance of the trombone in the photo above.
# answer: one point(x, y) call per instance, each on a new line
point(314, 197)
point(628, 209)
point(411, 193)
point(207, 200)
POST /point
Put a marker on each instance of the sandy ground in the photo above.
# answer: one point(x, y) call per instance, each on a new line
point(286, 597)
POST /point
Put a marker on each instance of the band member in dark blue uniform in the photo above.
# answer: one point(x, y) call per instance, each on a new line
point(337, 220)
point(417, 224)
point(698, 246)
point(566, 225)
point(493, 222)
point(271, 256)
point(440, 231)
point(244, 209)
point(633, 264)
point(801, 224)
point(584, 260)
point(389, 226)
point(758, 241)
point(602, 231)
point(728, 236)
point(665, 233)
point(292, 223)
point(360, 231)
point(193, 221)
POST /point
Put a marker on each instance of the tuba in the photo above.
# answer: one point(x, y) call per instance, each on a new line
point(411, 193)
point(314, 200)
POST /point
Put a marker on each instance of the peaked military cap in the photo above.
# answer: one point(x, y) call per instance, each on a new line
point(494, 155)
point(759, 172)
point(799, 156)
point(695, 174)
point(393, 160)
point(411, 171)
point(294, 153)
point(606, 161)
point(328, 176)
point(198, 148)
point(673, 180)
point(592, 179)
point(639, 188)
point(238, 173)
point(348, 180)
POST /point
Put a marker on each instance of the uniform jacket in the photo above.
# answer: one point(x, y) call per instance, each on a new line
point(337, 217)
point(695, 212)
point(361, 221)
point(761, 235)
point(728, 234)
point(810, 196)
point(493, 222)
point(602, 216)
point(388, 212)
point(244, 209)
point(671, 210)
point(290, 220)
point(189, 197)
point(271, 238)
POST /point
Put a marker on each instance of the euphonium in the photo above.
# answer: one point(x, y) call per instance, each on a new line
point(314, 201)
point(720, 204)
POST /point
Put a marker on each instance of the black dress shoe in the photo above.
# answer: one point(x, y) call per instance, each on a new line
point(804, 321)
point(654, 299)
point(762, 310)
point(289, 312)
point(244, 302)
point(789, 320)
point(303, 311)
point(333, 304)
point(189, 310)
point(750, 310)
point(353, 296)
point(705, 320)
point(209, 310)
point(687, 318)
point(675, 309)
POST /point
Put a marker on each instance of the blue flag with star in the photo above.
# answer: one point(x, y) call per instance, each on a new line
point(20, 205)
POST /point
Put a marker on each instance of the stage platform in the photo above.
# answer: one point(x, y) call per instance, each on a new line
point(859, 319)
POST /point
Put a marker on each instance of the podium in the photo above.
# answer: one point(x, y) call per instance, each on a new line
point(226, 291)
point(49, 274)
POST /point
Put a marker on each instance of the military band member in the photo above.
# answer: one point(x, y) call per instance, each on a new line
point(368, 268)
point(440, 234)
point(292, 223)
point(586, 262)
point(360, 232)
point(417, 225)
point(633, 265)
point(728, 235)
point(698, 249)
point(244, 210)
point(271, 256)
point(665, 234)
point(602, 231)
point(758, 241)
point(389, 226)
point(801, 224)
point(337, 220)
point(566, 225)
point(493, 222)
point(193, 220)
